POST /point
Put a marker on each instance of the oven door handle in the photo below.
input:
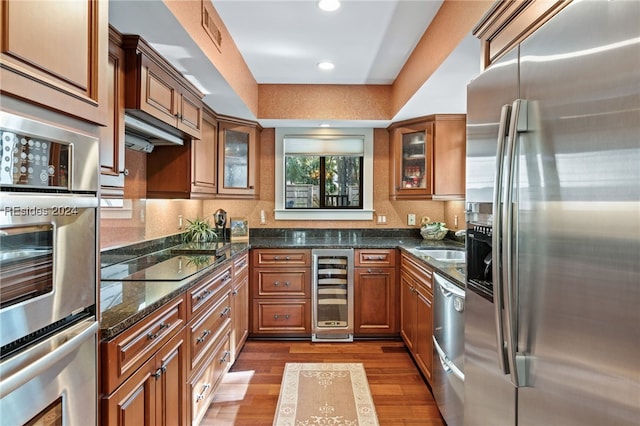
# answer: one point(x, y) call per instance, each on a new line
point(24, 375)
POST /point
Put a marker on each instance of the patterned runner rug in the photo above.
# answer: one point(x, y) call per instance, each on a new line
point(325, 394)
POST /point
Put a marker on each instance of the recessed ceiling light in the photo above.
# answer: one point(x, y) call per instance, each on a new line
point(325, 125)
point(325, 65)
point(329, 5)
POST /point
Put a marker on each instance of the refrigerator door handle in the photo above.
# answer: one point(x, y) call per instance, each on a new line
point(503, 128)
point(517, 125)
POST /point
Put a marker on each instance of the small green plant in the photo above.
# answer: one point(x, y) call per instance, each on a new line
point(199, 231)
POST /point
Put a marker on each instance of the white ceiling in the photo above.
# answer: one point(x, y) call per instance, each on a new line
point(282, 42)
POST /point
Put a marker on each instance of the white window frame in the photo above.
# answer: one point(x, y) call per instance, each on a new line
point(366, 213)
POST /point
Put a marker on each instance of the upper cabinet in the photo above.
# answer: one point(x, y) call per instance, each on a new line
point(61, 70)
point(427, 157)
point(112, 169)
point(186, 171)
point(238, 154)
point(509, 22)
point(157, 93)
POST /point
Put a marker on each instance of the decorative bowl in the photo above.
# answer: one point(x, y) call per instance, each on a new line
point(433, 234)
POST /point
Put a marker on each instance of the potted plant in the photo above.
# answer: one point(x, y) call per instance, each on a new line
point(199, 231)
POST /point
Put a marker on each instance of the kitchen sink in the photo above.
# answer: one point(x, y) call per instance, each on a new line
point(441, 255)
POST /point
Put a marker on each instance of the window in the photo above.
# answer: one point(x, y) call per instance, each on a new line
point(324, 174)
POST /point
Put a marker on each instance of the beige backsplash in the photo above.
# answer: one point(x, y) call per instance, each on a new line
point(147, 219)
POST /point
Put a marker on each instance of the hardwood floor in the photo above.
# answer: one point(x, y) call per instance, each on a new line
point(249, 393)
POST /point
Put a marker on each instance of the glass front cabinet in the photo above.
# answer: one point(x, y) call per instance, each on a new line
point(427, 158)
point(238, 160)
point(411, 166)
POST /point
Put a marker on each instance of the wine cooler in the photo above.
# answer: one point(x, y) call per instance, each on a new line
point(332, 295)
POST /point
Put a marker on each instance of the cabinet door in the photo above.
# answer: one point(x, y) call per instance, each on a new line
point(424, 331)
point(112, 136)
point(189, 114)
point(412, 159)
point(237, 161)
point(171, 382)
point(449, 157)
point(239, 313)
point(203, 158)
point(158, 92)
point(408, 312)
point(133, 403)
point(54, 53)
point(375, 300)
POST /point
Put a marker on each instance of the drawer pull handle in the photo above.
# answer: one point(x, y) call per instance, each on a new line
point(285, 316)
point(234, 293)
point(286, 283)
point(204, 295)
point(151, 336)
point(226, 278)
point(226, 312)
point(203, 337)
point(200, 396)
point(164, 325)
point(375, 271)
point(159, 372)
point(224, 357)
point(285, 258)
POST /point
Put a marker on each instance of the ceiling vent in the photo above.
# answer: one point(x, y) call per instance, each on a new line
point(209, 24)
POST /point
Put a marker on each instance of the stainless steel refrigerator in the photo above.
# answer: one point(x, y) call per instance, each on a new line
point(552, 326)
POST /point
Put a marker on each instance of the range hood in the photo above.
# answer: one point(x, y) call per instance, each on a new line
point(141, 136)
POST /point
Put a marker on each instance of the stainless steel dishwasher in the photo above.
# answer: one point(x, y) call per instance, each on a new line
point(448, 344)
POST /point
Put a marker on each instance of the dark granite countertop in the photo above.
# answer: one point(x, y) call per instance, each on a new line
point(124, 303)
point(404, 239)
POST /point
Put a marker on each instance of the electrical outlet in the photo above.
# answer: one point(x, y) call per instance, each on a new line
point(411, 219)
point(180, 221)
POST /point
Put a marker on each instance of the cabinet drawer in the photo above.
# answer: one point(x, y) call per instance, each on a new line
point(371, 257)
point(203, 384)
point(281, 257)
point(205, 329)
point(211, 289)
point(128, 351)
point(241, 265)
point(282, 316)
point(281, 283)
point(420, 273)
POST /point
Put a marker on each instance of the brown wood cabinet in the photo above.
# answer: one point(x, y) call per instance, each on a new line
point(158, 93)
point(165, 369)
point(427, 157)
point(416, 312)
point(508, 23)
point(375, 292)
point(143, 372)
point(61, 70)
point(281, 292)
point(112, 148)
point(204, 382)
point(239, 304)
point(238, 159)
point(186, 171)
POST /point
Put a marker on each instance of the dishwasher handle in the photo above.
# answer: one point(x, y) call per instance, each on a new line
point(447, 288)
point(447, 364)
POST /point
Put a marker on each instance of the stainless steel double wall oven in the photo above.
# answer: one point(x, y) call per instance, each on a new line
point(48, 270)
